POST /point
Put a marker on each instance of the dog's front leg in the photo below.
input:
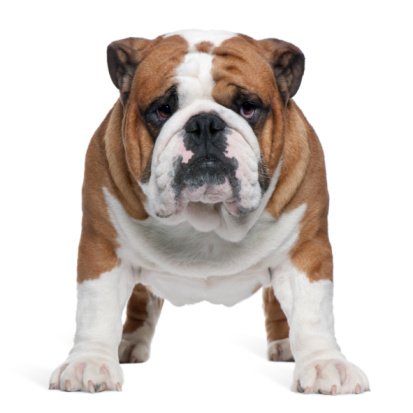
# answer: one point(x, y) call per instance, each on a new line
point(320, 365)
point(93, 363)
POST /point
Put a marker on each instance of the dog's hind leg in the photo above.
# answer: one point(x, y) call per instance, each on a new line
point(277, 328)
point(142, 314)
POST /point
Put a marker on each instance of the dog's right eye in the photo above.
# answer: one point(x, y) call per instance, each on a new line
point(164, 112)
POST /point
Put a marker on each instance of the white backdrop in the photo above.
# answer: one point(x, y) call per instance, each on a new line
point(356, 92)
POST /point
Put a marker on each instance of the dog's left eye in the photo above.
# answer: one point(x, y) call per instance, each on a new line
point(164, 112)
point(247, 110)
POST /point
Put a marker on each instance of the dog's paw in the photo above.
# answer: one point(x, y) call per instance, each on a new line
point(88, 374)
point(130, 352)
point(280, 350)
point(332, 376)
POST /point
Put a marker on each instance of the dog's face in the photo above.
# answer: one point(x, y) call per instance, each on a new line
point(208, 108)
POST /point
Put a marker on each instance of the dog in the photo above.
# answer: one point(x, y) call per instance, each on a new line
point(205, 182)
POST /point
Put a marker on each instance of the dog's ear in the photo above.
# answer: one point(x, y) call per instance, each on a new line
point(287, 62)
point(123, 59)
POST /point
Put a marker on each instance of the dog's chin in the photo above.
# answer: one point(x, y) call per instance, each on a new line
point(205, 206)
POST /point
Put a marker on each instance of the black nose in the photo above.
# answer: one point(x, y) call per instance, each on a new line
point(205, 130)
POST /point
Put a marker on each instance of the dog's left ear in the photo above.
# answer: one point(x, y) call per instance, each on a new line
point(123, 59)
point(287, 62)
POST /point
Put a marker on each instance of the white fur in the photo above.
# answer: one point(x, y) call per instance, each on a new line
point(185, 266)
point(194, 78)
point(320, 366)
point(92, 363)
point(280, 350)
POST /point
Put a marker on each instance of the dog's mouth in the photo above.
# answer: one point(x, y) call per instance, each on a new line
point(206, 179)
point(205, 171)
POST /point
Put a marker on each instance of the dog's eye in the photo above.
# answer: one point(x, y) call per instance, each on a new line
point(247, 110)
point(164, 112)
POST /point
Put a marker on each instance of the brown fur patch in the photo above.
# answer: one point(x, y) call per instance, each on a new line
point(236, 64)
point(153, 79)
point(157, 69)
point(125, 187)
point(295, 156)
point(276, 323)
point(136, 311)
point(312, 253)
point(98, 240)
point(303, 181)
point(204, 47)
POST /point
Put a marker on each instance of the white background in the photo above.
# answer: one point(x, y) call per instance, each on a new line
point(356, 92)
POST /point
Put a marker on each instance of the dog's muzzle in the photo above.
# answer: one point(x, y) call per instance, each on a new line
point(205, 136)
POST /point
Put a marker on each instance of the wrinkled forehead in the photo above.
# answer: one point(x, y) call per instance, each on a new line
point(202, 64)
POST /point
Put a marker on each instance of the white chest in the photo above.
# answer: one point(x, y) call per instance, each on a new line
point(227, 290)
point(185, 266)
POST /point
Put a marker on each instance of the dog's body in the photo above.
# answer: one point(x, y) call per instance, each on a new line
point(205, 182)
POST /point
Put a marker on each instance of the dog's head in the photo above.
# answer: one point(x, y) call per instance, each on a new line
point(203, 118)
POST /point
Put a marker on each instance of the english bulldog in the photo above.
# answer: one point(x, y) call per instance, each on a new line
point(205, 182)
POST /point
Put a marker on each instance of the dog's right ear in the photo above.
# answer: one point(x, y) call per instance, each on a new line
point(123, 59)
